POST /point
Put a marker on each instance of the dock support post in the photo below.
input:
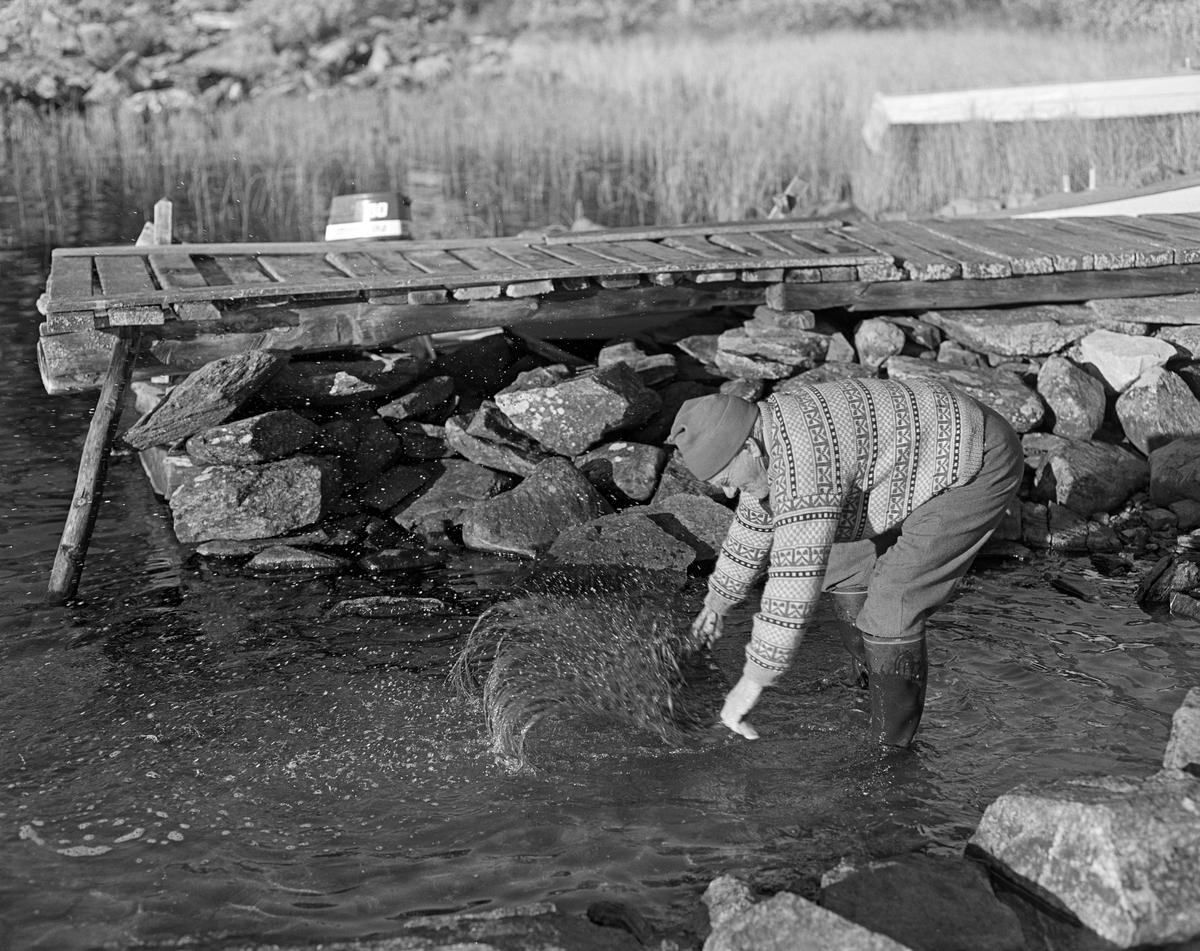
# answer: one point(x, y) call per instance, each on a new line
point(93, 467)
point(93, 464)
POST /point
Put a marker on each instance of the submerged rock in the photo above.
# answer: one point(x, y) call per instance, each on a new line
point(785, 922)
point(387, 606)
point(929, 902)
point(1119, 854)
point(241, 502)
point(401, 559)
point(288, 558)
point(1183, 745)
point(526, 520)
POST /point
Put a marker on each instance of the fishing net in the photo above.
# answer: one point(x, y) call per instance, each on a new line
point(627, 655)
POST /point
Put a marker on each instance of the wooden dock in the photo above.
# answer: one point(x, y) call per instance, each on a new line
point(198, 302)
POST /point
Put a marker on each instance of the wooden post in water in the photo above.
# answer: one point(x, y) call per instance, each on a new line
point(93, 464)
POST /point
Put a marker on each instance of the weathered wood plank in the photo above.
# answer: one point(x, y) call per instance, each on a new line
point(919, 263)
point(485, 259)
point(975, 264)
point(530, 257)
point(975, 234)
point(1162, 248)
point(682, 231)
point(825, 250)
point(1108, 254)
point(70, 279)
point(176, 270)
point(1067, 287)
point(364, 265)
point(1063, 254)
point(1185, 240)
point(301, 269)
point(121, 276)
point(634, 256)
point(588, 259)
point(439, 262)
point(233, 269)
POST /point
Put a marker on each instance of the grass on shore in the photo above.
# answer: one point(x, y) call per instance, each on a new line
point(637, 130)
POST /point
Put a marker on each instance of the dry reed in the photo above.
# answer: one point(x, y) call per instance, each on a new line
point(635, 130)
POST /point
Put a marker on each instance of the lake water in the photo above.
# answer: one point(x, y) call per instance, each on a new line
point(256, 770)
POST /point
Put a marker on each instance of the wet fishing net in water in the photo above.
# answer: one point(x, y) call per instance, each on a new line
point(624, 654)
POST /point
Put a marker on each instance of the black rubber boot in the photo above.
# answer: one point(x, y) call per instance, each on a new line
point(898, 670)
point(847, 602)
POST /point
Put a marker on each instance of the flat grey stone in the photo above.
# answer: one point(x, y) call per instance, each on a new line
point(240, 502)
point(1185, 339)
point(503, 456)
point(574, 414)
point(1075, 398)
point(392, 560)
point(1002, 391)
point(343, 382)
point(387, 606)
point(825, 373)
point(288, 558)
point(951, 351)
point(1157, 409)
point(1014, 332)
point(422, 401)
point(697, 520)
point(653, 369)
point(262, 438)
point(1118, 853)
point(390, 488)
point(769, 356)
point(1172, 309)
point(627, 539)
point(526, 520)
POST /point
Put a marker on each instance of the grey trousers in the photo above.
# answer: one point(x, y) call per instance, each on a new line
point(913, 570)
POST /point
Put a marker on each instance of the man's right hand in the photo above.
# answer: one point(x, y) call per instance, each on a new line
point(708, 626)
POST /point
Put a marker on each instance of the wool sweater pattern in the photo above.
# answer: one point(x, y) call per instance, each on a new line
point(847, 460)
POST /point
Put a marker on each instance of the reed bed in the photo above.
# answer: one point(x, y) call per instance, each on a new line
point(631, 131)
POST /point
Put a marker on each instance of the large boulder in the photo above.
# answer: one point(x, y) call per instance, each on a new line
point(1002, 390)
point(1088, 477)
point(1158, 408)
point(625, 470)
point(934, 903)
point(571, 415)
point(526, 520)
point(240, 502)
point(1075, 398)
point(1119, 854)
point(1120, 359)
point(1019, 332)
point(450, 496)
point(628, 539)
point(1175, 472)
point(784, 922)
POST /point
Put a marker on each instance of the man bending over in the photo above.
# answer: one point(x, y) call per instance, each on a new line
point(878, 491)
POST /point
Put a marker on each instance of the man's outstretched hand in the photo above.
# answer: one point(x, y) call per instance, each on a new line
point(738, 702)
point(708, 626)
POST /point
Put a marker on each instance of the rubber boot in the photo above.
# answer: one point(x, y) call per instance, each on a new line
point(847, 602)
point(898, 670)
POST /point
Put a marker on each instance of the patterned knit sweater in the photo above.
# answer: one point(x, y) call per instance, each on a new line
point(847, 460)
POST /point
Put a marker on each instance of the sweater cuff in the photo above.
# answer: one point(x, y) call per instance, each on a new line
point(757, 673)
point(717, 602)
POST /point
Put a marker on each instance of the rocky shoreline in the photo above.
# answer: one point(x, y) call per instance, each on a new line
point(144, 59)
point(380, 462)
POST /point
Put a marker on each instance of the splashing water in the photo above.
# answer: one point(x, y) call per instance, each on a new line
point(625, 655)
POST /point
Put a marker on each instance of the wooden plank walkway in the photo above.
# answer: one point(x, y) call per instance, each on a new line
point(197, 302)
